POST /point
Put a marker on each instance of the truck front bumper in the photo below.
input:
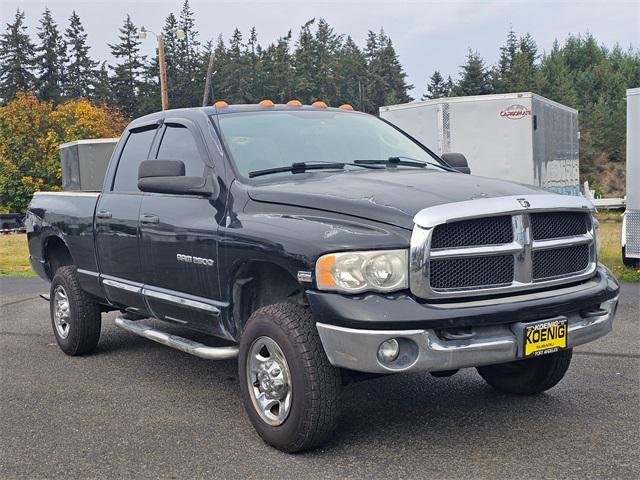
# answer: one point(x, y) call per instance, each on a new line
point(471, 336)
point(425, 350)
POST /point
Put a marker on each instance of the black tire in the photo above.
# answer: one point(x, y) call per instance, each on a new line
point(628, 261)
point(82, 320)
point(528, 377)
point(314, 383)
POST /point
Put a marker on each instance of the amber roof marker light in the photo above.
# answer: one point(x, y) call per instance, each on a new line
point(220, 104)
point(294, 103)
point(346, 106)
point(319, 104)
point(266, 103)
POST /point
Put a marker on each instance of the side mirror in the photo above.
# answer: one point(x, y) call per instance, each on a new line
point(456, 161)
point(167, 176)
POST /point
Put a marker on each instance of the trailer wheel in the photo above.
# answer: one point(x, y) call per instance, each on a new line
point(629, 262)
point(75, 315)
point(289, 389)
point(530, 376)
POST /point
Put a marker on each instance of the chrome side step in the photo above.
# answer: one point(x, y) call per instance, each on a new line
point(179, 343)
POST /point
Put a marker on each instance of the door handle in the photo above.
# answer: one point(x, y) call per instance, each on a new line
point(146, 218)
point(103, 214)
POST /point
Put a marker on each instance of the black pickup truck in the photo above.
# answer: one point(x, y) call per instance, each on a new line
point(325, 246)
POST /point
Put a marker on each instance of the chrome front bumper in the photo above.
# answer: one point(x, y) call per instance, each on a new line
point(424, 350)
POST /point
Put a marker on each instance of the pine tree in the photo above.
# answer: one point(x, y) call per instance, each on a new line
point(327, 44)
point(351, 72)
point(188, 86)
point(102, 94)
point(502, 74)
point(277, 76)
point(386, 82)
point(304, 62)
point(127, 73)
point(80, 68)
point(50, 59)
point(16, 59)
point(437, 87)
point(474, 77)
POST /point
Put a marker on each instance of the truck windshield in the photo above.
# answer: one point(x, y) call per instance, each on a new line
point(265, 140)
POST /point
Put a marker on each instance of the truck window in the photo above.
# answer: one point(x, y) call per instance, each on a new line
point(178, 144)
point(135, 151)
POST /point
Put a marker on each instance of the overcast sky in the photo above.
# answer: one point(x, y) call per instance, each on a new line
point(427, 35)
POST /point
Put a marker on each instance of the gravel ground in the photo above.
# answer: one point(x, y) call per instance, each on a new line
point(136, 409)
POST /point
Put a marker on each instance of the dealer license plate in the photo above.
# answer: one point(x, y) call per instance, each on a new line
point(545, 336)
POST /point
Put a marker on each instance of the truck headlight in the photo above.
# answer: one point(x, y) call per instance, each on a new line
point(353, 272)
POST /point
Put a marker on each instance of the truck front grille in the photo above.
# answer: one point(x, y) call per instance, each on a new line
point(548, 225)
point(481, 231)
point(558, 262)
point(471, 272)
point(499, 253)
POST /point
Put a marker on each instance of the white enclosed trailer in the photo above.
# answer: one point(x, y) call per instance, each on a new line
point(631, 218)
point(521, 137)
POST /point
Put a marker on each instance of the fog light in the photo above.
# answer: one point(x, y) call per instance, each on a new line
point(388, 350)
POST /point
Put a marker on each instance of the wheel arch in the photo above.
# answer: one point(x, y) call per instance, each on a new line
point(56, 254)
point(256, 284)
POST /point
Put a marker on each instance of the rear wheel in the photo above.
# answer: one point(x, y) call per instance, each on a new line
point(530, 376)
point(289, 389)
point(75, 315)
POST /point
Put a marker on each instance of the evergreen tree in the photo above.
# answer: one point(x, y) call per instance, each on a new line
point(220, 84)
point(277, 75)
point(16, 59)
point(305, 65)
point(127, 72)
point(326, 44)
point(188, 85)
point(386, 82)
point(437, 87)
point(50, 59)
point(502, 75)
point(524, 65)
point(102, 94)
point(351, 73)
point(474, 77)
point(80, 68)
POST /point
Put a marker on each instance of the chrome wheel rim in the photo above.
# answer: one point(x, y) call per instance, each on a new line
point(269, 381)
point(61, 312)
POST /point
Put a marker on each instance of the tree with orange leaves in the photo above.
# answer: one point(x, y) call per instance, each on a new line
point(30, 134)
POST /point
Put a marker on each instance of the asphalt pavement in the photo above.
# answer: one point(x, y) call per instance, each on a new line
point(137, 409)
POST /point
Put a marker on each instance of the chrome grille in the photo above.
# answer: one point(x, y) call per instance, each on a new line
point(471, 272)
point(481, 231)
point(557, 262)
point(497, 245)
point(547, 225)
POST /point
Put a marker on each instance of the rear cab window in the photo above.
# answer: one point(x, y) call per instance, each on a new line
point(136, 149)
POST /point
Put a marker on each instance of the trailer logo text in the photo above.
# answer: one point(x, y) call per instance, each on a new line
point(515, 112)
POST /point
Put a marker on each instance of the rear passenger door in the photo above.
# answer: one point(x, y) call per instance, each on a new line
point(116, 223)
point(179, 238)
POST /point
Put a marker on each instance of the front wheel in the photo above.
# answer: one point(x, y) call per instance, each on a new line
point(289, 389)
point(530, 376)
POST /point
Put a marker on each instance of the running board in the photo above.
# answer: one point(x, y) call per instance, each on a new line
point(179, 343)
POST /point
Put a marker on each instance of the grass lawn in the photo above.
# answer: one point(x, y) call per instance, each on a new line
point(14, 256)
point(14, 261)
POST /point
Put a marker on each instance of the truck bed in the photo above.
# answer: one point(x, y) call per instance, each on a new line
point(62, 216)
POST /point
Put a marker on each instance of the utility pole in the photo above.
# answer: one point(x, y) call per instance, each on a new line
point(162, 64)
point(164, 94)
point(207, 82)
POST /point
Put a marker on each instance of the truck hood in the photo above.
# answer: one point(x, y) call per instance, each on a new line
point(389, 196)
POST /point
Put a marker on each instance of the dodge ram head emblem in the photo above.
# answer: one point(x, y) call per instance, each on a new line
point(524, 202)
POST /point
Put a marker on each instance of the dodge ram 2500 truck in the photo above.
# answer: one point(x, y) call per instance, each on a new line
point(325, 245)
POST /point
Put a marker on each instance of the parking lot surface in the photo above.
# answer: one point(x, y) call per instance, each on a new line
point(137, 409)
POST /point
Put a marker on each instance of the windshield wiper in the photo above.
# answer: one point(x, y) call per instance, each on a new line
point(301, 167)
point(403, 161)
